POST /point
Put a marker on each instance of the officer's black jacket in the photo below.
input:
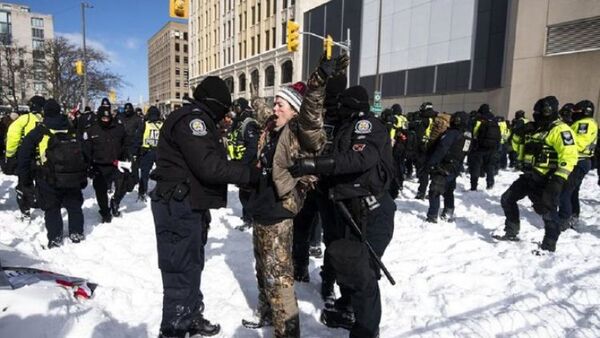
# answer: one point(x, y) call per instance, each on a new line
point(134, 133)
point(84, 121)
point(449, 151)
point(105, 144)
point(190, 149)
point(27, 151)
point(363, 158)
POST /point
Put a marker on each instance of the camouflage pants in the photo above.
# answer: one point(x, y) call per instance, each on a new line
point(274, 272)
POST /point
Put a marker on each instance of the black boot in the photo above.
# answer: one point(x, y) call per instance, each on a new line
point(327, 291)
point(201, 326)
point(337, 318)
point(170, 333)
point(114, 208)
point(447, 215)
point(106, 216)
point(431, 219)
point(301, 274)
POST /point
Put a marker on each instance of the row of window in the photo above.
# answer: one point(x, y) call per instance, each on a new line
point(286, 77)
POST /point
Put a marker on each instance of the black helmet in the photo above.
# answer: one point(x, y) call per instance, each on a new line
point(545, 110)
point(519, 114)
point(396, 109)
point(586, 107)
point(426, 106)
point(566, 113)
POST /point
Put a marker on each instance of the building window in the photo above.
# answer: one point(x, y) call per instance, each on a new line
point(240, 22)
point(254, 77)
point(275, 7)
point(5, 28)
point(258, 12)
point(177, 95)
point(242, 82)
point(229, 84)
point(177, 47)
point(177, 84)
point(273, 37)
point(185, 48)
point(269, 6)
point(38, 44)
point(267, 40)
point(573, 36)
point(253, 15)
point(37, 33)
point(185, 59)
point(176, 58)
point(258, 44)
point(285, 3)
point(283, 30)
point(270, 76)
point(286, 72)
point(37, 22)
point(253, 49)
point(185, 36)
point(177, 71)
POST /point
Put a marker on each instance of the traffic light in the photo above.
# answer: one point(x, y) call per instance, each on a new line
point(328, 46)
point(79, 67)
point(293, 36)
point(112, 95)
point(179, 8)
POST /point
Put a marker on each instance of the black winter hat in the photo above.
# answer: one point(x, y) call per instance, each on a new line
point(396, 109)
point(519, 114)
point(105, 103)
point(153, 114)
point(355, 99)
point(129, 107)
point(242, 103)
point(214, 93)
point(51, 108)
point(36, 103)
point(586, 107)
point(459, 120)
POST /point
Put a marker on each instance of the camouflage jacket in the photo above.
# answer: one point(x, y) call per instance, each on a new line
point(303, 136)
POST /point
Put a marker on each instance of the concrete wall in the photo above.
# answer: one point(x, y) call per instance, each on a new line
point(571, 77)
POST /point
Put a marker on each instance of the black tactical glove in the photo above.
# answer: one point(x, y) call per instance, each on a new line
point(312, 166)
point(10, 166)
point(551, 193)
point(326, 67)
point(341, 63)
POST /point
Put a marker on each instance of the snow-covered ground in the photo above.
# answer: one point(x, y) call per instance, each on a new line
point(452, 279)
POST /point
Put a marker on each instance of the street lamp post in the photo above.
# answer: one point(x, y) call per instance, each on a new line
point(84, 5)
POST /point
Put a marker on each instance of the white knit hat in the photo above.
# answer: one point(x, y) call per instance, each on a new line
point(293, 94)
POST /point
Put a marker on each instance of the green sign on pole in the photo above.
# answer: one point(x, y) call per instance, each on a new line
point(376, 107)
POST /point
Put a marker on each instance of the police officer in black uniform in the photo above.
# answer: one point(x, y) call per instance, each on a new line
point(192, 175)
point(361, 170)
point(104, 144)
point(126, 180)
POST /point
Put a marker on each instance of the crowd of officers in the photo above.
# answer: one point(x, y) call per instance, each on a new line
point(54, 152)
point(316, 162)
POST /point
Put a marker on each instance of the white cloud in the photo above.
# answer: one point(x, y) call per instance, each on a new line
point(132, 43)
point(76, 39)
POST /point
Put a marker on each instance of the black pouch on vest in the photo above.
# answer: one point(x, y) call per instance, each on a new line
point(180, 192)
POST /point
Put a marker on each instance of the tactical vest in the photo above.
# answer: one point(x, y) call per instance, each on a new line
point(235, 142)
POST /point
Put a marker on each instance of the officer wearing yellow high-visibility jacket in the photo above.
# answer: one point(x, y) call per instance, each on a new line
point(14, 136)
point(586, 137)
point(148, 153)
point(504, 138)
point(516, 128)
point(242, 146)
point(548, 154)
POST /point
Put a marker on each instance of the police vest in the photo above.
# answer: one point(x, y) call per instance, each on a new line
point(550, 151)
point(504, 131)
point(235, 143)
point(151, 134)
point(586, 136)
point(401, 123)
point(19, 129)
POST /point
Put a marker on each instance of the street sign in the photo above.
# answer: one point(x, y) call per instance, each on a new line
point(376, 107)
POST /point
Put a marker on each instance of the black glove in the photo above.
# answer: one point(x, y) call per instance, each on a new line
point(551, 193)
point(326, 67)
point(254, 175)
point(10, 166)
point(312, 166)
point(341, 63)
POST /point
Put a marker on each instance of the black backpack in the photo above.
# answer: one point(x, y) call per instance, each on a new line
point(489, 135)
point(65, 165)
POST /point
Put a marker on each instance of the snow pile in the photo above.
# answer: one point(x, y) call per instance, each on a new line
point(453, 280)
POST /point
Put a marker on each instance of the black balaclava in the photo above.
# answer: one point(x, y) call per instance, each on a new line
point(129, 111)
point(104, 112)
point(460, 120)
point(566, 113)
point(214, 93)
point(353, 100)
point(583, 109)
point(519, 114)
point(397, 109)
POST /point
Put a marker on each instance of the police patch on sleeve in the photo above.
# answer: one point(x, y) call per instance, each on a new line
point(363, 127)
point(567, 138)
point(198, 127)
point(582, 129)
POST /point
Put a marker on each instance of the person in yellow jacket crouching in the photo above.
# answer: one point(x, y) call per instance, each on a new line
point(548, 155)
